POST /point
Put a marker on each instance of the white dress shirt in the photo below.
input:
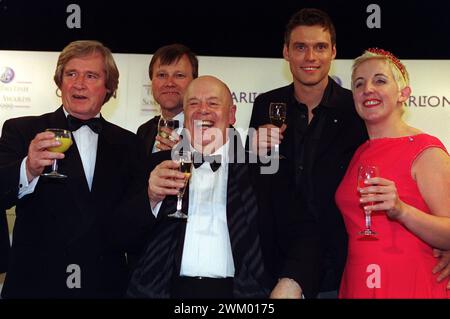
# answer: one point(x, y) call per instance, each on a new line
point(86, 142)
point(207, 248)
point(180, 118)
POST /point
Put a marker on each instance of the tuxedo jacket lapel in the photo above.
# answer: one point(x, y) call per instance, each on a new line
point(104, 167)
point(58, 118)
point(241, 202)
point(235, 214)
point(242, 222)
point(242, 210)
point(71, 165)
point(148, 134)
point(72, 190)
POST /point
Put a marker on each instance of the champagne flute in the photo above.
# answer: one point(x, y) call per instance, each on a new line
point(364, 173)
point(277, 115)
point(185, 160)
point(65, 138)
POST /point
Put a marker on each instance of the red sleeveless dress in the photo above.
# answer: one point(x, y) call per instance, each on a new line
point(398, 264)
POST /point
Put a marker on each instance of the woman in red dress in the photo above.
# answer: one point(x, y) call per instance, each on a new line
point(410, 200)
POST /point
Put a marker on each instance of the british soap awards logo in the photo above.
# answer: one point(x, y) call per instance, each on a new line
point(13, 92)
point(6, 74)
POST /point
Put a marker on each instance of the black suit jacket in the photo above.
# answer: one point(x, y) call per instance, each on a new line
point(147, 133)
point(4, 242)
point(250, 276)
point(62, 223)
point(306, 239)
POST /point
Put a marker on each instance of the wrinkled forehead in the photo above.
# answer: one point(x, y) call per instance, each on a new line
point(207, 89)
point(93, 61)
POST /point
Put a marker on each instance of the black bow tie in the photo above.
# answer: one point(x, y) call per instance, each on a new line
point(95, 123)
point(213, 160)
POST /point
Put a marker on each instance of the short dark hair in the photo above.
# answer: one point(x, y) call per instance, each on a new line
point(171, 53)
point(310, 17)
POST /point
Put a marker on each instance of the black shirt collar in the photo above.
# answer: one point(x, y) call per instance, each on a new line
point(327, 98)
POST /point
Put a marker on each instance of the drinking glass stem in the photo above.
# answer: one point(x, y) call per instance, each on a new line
point(179, 202)
point(55, 165)
point(368, 220)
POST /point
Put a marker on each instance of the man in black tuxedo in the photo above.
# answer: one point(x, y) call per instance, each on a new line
point(70, 234)
point(216, 254)
point(171, 69)
point(321, 132)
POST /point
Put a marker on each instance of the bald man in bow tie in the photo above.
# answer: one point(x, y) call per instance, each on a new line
point(66, 243)
point(216, 253)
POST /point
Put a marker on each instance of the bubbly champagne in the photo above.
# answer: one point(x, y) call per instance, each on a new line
point(184, 158)
point(364, 173)
point(185, 167)
point(65, 144)
point(163, 134)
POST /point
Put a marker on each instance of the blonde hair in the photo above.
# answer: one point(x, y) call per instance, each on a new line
point(397, 68)
point(84, 48)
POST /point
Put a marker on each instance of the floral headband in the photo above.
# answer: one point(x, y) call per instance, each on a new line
point(391, 57)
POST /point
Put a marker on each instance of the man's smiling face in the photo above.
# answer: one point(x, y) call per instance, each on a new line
point(209, 111)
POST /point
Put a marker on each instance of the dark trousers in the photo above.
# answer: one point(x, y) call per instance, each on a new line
point(202, 288)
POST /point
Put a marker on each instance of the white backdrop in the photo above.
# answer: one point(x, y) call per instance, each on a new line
point(27, 88)
point(32, 91)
